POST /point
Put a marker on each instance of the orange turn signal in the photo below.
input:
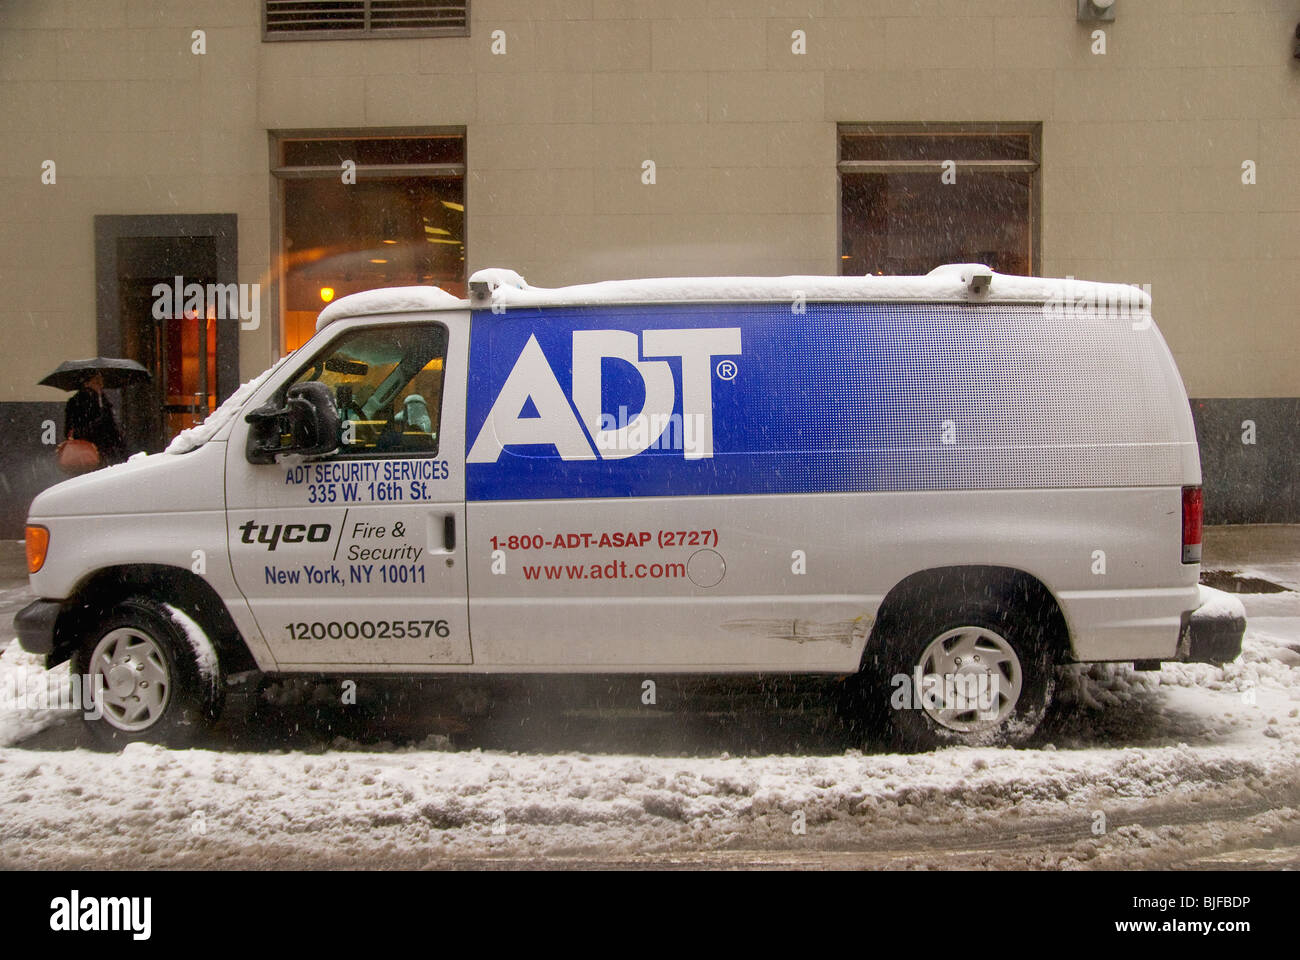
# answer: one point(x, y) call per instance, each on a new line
point(38, 542)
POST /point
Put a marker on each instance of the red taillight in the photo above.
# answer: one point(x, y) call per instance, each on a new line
point(1193, 512)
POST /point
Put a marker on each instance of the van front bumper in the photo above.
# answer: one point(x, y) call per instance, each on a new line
point(34, 625)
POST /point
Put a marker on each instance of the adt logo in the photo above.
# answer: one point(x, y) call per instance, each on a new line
point(532, 379)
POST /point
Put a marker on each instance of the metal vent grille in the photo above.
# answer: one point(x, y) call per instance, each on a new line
point(337, 19)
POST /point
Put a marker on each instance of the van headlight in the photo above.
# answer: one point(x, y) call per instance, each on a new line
point(38, 544)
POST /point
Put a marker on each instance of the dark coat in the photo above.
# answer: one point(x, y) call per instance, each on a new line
point(89, 416)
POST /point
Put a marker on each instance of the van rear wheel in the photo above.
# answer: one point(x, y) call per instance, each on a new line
point(155, 672)
point(973, 672)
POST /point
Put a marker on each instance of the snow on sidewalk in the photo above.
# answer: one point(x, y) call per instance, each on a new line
point(23, 682)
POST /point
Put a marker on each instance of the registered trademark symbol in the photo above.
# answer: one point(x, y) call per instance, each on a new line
point(727, 369)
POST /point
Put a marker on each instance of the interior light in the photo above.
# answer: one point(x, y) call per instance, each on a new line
point(379, 261)
point(327, 294)
point(460, 207)
point(390, 241)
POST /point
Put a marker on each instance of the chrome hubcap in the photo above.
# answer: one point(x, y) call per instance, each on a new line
point(136, 685)
point(970, 679)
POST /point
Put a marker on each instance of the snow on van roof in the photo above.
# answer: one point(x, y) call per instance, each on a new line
point(388, 300)
point(961, 282)
point(954, 282)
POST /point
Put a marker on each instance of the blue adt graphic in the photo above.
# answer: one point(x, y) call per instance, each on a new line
point(820, 397)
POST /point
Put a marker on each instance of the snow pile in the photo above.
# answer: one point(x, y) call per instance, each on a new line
point(24, 682)
point(139, 808)
point(948, 283)
point(498, 277)
point(195, 437)
point(1219, 605)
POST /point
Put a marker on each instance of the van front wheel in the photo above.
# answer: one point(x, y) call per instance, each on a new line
point(155, 674)
point(976, 674)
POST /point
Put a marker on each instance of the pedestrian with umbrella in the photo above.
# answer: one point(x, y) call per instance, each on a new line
point(92, 437)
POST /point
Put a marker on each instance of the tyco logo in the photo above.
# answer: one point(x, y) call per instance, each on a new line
point(273, 533)
point(532, 379)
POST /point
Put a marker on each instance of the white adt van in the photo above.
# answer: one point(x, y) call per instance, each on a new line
point(937, 488)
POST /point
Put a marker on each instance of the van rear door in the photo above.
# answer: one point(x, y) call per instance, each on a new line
point(358, 559)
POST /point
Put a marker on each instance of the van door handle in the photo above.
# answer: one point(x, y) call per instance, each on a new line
point(449, 532)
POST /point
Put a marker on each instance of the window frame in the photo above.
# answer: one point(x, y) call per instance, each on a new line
point(1032, 166)
point(365, 32)
point(280, 172)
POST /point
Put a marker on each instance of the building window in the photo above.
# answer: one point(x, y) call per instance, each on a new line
point(360, 212)
point(345, 19)
point(914, 196)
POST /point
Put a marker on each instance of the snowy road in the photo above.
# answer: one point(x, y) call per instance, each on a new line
point(1190, 767)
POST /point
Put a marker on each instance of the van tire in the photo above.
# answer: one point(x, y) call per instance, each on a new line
point(1014, 675)
point(139, 649)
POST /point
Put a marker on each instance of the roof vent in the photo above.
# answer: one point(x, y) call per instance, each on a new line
point(978, 281)
point(482, 283)
point(975, 277)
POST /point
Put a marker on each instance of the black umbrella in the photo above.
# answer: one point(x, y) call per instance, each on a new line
point(117, 373)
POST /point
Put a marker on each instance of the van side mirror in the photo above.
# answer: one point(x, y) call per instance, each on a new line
point(309, 420)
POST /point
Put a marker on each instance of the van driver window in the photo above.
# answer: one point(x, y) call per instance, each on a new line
point(387, 384)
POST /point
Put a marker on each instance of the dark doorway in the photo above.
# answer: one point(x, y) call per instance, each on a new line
point(193, 354)
point(183, 390)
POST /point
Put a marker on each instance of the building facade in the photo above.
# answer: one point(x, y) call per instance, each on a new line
point(188, 183)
